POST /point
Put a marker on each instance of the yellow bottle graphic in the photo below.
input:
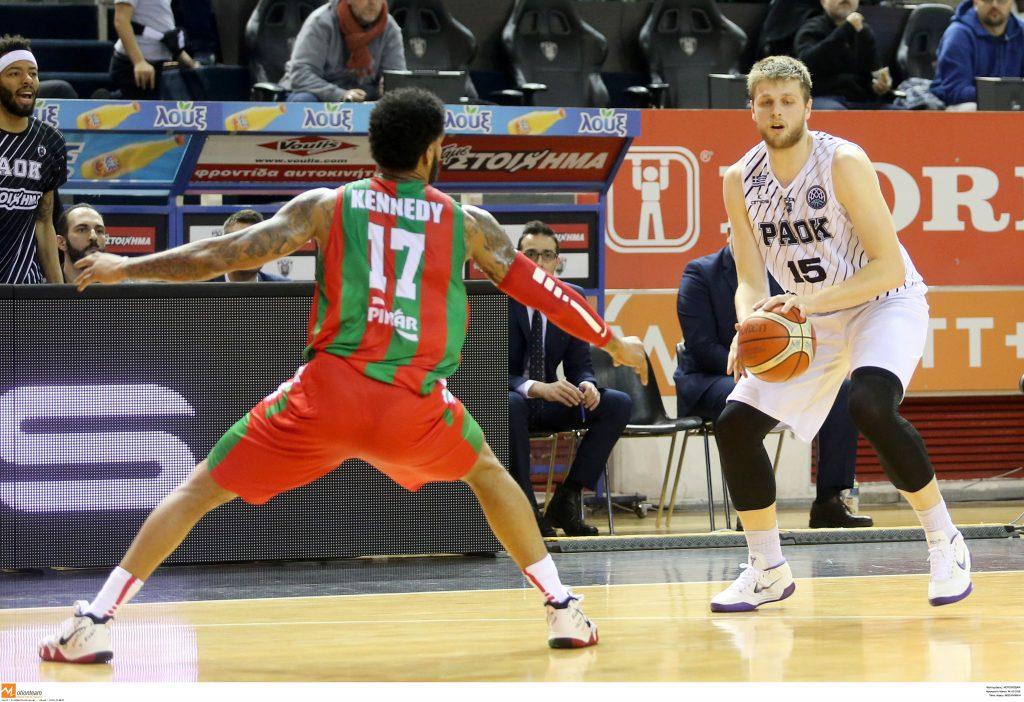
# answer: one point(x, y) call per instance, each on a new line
point(107, 117)
point(253, 118)
point(536, 122)
point(120, 162)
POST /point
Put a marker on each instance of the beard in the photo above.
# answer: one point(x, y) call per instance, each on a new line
point(787, 138)
point(10, 104)
point(77, 255)
point(435, 171)
point(993, 20)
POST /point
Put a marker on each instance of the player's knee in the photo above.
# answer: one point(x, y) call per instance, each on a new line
point(873, 397)
point(201, 493)
point(486, 470)
point(739, 424)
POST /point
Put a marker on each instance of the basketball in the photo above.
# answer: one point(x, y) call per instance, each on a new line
point(775, 346)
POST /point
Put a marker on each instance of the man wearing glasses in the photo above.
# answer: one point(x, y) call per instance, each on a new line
point(80, 232)
point(539, 401)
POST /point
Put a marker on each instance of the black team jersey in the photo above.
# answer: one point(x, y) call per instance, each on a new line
point(32, 162)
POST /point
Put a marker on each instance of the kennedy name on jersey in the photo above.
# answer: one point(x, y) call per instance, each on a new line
point(802, 231)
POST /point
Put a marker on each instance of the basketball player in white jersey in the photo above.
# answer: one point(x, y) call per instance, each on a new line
point(807, 206)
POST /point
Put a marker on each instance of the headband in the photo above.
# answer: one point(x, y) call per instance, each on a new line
point(17, 55)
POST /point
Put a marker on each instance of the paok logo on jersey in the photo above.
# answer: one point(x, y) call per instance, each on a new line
point(184, 114)
point(47, 113)
point(332, 116)
point(801, 231)
point(816, 197)
point(606, 122)
point(405, 326)
point(469, 120)
point(307, 145)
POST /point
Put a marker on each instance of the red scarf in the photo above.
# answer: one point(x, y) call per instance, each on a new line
point(358, 38)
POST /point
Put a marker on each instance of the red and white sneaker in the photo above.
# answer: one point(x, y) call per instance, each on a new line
point(80, 639)
point(568, 626)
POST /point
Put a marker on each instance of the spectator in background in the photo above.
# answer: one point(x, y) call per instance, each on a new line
point(237, 222)
point(341, 51)
point(80, 232)
point(33, 164)
point(147, 39)
point(839, 50)
point(983, 40)
point(539, 401)
point(707, 317)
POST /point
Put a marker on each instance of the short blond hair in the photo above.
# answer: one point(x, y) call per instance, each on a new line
point(779, 68)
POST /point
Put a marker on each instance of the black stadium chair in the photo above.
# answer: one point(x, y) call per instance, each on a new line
point(434, 40)
point(919, 46)
point(556, 56)
point(270, 34)
point(685, 41)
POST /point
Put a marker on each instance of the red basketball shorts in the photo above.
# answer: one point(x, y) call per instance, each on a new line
point(330, 412)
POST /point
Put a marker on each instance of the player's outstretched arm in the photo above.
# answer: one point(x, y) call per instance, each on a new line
point(857, 189)
point(751, 276)
point(520, 278)
point(303, 218)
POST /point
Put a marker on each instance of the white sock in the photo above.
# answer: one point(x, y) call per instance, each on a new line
point(767, 545)
point(120, 588)
point(937, 521)
point(544, 576)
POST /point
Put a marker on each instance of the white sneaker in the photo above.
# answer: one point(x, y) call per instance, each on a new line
point(755, 586)
point(950, 563)
point(80, 639)
point(568, 626)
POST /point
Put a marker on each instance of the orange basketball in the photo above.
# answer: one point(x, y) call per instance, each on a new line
point(776, 347)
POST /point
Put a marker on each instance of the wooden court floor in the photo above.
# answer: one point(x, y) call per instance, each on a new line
point(833, 629)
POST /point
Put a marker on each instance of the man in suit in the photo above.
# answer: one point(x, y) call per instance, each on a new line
point(707, 317)
point(539, 401)
point(234, 223)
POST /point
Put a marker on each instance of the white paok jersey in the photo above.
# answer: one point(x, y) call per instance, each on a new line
point(804, 234)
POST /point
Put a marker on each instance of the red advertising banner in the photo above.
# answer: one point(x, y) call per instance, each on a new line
point(469, 159)
point(131, 240)
point(954, 183)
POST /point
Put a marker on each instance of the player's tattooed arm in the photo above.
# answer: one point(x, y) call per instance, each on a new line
point(46, 239)
point(306, 217)
point(488, 244)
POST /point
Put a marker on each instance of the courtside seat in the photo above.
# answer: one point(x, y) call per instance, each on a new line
point(556, 56)
point(685, 41)
point(79, 55)
point(919, 47)
point(270, 34)
point(434, 40)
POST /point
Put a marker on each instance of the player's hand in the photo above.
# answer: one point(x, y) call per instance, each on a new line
point(629, 351)
point(100, 268)
point(562, 392)
point(786, 302)
point(145, 75)
point(856, 19)
point(734, 366)
point(591, 396)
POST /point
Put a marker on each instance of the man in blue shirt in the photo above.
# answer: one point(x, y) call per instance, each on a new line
point(984, 39)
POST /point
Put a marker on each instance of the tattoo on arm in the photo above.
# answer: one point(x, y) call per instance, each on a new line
point(488, 244)
point(306, 217)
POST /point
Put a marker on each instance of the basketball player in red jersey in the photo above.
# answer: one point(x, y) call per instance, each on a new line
point(807, 206)
point(387, 324)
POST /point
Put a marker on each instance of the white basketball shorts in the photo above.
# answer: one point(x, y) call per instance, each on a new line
point(889, 333)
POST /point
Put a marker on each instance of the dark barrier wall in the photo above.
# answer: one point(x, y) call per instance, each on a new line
point(109, 398)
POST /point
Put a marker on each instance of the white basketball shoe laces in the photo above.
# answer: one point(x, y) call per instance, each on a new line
point(80, 639)
point(568, 626)
point(950, 565)
point(755, 586)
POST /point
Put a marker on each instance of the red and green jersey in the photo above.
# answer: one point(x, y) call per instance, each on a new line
point(389, 296)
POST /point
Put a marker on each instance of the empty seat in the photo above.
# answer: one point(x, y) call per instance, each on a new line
point(685, 41)
point(270, 34)
point(84, 83)
point(548, 43)
point(434, 40)
point(919, 46)
point(79, 55)
point(39, 21)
